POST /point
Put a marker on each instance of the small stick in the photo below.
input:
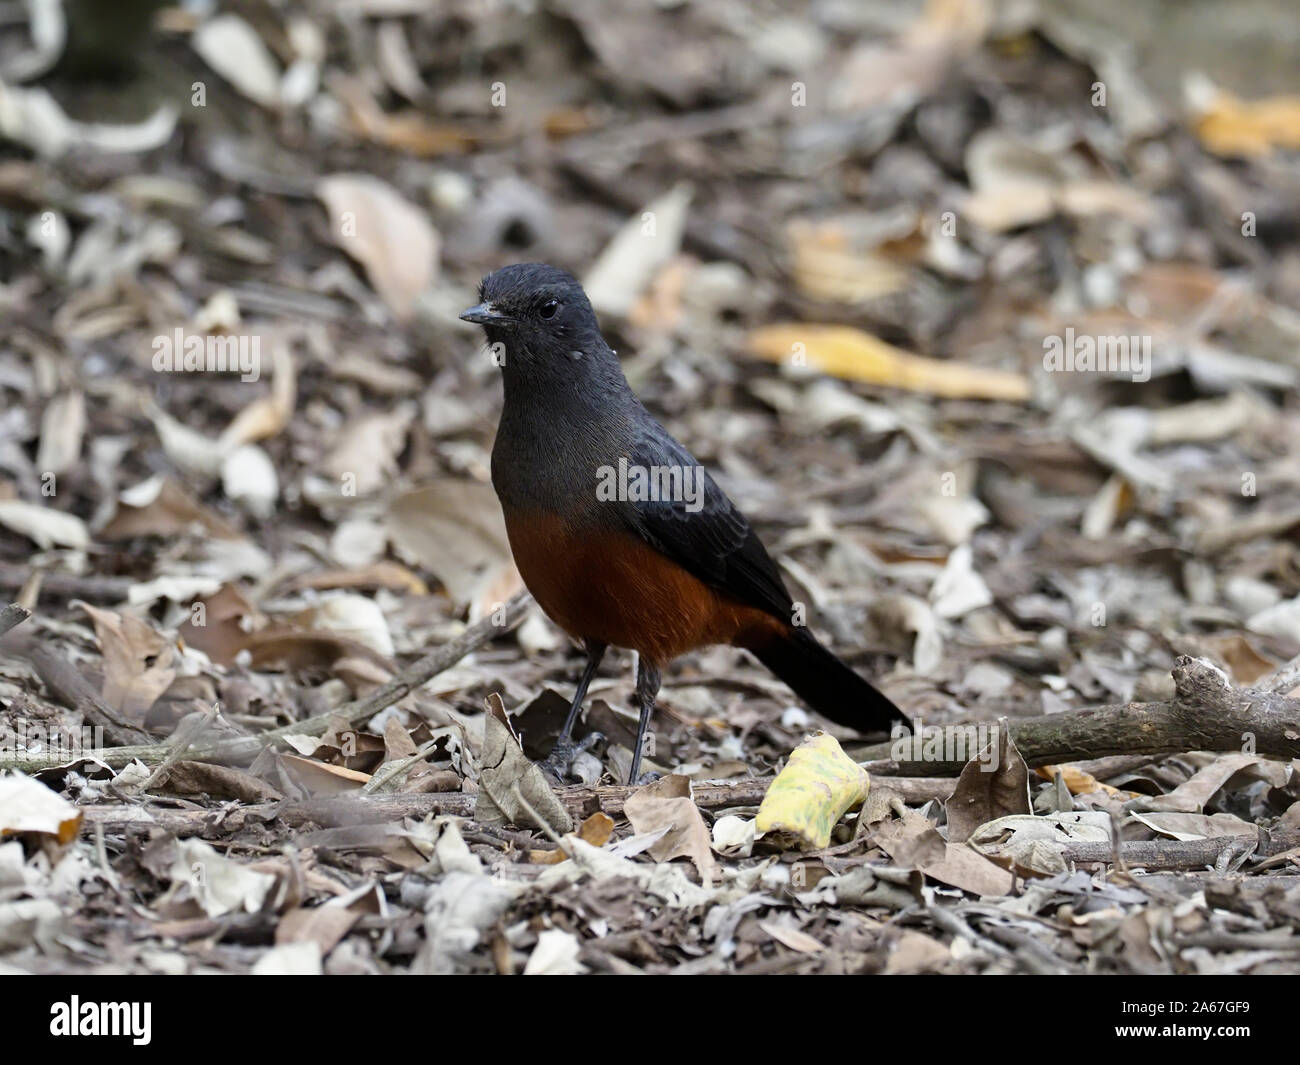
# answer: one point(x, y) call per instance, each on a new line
point(387, 777)
point(67, 585)
point(180, 743)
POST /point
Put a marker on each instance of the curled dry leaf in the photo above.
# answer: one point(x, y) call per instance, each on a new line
point(219, 624)
point(44, 526)
point(322, 778)
point(367, 450)
point(595, 830)
point(62, 427)
point(1230, 126)
point(138, 662)
point(1034, 846)
point(994, 784)
point(219, 885)
point(458, 912)
point(828, 269)
point(34, 118)
point(355, 617)
point(1077, 782)
point(512, 790)
point(267, 415)
point(27, 805)
point(454, 529)
point(1189, 826)
point(556, 954)
point(249, 479)
point(232, 48)
point(646, 242)
point(1192, 794)
point(161, 507)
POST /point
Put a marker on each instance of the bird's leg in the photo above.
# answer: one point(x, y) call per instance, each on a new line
point(560, 760)
point(647, 687)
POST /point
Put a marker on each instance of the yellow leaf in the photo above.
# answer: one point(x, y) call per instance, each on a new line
point(817, 787)
point(596, 830)
point(827, 269)
point(1230, 126)
point(857, 356)
point(1078, 782)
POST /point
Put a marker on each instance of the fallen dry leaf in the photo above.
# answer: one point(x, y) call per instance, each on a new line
point(1230, 126)
point(595, 830)
point(391, 238)
point(27, 805)
point(667, 806)
point(138, 661)
point(512, 790)
point(858, 356)
point(993, 784)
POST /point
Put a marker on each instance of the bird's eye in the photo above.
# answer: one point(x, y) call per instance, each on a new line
point(549, 308)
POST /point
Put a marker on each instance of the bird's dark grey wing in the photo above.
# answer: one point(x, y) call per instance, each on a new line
point(710, 538)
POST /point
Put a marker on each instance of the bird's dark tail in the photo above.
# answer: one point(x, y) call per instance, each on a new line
point(824, 682)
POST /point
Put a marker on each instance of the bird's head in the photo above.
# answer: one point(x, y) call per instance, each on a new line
point(537, 312)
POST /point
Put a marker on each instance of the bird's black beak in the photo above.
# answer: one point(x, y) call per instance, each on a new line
point(485, 314)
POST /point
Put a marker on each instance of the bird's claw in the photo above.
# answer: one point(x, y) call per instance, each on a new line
point(559, 763)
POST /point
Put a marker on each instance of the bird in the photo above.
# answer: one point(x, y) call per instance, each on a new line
point(621, 536)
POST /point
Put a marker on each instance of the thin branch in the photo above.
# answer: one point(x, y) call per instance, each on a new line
point(246, 748)
point(67, 585)
point(579, 799)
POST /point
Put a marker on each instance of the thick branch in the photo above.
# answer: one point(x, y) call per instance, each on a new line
point(1183, 854)
point(1206, 714)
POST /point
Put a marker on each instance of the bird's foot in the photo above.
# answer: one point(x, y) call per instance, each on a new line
point(647, 778)
point(559, 763)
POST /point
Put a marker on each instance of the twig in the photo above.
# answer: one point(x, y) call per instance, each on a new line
point(12, 615)
point(181, 742)
point(579, 799)
point(387, 777)
point(68, 585)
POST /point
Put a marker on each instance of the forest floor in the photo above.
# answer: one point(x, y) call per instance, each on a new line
point(995, 345)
